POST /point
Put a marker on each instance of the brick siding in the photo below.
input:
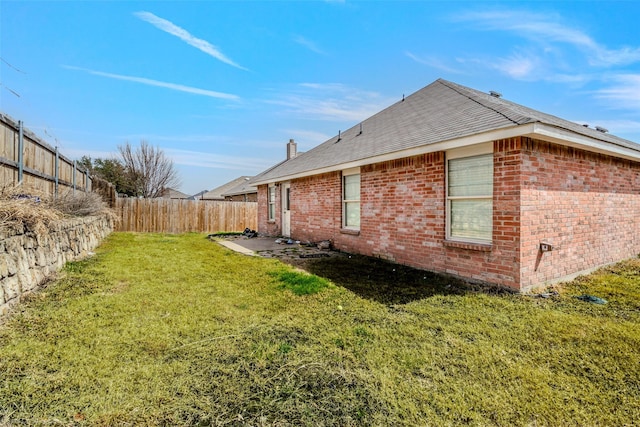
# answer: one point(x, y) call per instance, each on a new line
point(249, 197)
point(586, 205)
point(266, 226)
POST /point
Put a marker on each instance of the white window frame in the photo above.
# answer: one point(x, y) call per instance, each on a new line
point(466, 152)
point(271, 202)
point(347, 173)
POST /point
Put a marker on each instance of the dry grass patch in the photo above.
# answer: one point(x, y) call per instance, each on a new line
point(20, 205)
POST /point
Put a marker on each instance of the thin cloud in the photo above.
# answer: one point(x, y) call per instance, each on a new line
point(517, 66)
point(545, 27)
point(216, 161)
point(624, 93)
point(307, 138)
point(200, 44)
point(150, 82)
point(177, 138)
point(331, 102)
point(433, 63)
point(308, 44)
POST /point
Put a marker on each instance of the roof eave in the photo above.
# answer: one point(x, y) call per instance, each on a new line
point(571, 139)
point(533, 130)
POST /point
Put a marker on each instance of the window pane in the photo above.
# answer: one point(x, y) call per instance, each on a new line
point(352, 214)
point(471, 176)
point(272, 202)
point(472, 219)
point(352, 187)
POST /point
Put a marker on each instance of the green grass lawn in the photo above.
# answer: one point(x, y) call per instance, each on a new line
point(176, 330)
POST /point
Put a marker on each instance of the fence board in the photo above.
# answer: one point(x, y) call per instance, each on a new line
point(184, 216)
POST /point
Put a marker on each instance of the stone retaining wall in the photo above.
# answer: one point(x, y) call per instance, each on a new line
point(28, 260)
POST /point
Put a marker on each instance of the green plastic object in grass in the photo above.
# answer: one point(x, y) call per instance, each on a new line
point(592, 299)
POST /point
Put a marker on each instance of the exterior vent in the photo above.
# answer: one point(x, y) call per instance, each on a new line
point(586, 125)
point(495, 94)
point(601, 129)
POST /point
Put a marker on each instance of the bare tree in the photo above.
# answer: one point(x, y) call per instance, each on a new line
point(150, 171)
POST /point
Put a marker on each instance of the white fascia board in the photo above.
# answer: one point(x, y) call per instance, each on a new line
point(575, 140)
point(410, 152)
point(532, 130)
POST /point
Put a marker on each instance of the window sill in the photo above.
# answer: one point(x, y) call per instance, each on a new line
point(350, 231)
point(481, 247)
point(271, 221)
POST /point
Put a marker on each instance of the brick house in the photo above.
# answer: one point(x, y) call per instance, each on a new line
point(231, 188)
point(462, 182)
point(243, 192)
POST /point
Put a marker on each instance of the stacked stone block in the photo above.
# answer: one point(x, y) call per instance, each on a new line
point(29, 259)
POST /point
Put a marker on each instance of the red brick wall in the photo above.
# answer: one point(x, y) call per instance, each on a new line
point(403, 217)
point(402, 211)
point(266, 227)
point(587, 205)
point(316, 207)
point(250, 197)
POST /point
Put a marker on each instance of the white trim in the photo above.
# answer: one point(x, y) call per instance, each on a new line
point(470, 151)
point(345, 201)
point(532, 130)
point(285, 208)
point(271, 187)
point(477, 150)
point(572, 139)
point(351, 171)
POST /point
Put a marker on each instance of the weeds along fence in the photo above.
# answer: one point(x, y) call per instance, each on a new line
point(184, 216)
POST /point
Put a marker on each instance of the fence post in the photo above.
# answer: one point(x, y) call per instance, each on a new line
point(75, 168)
point(20, 151)
point(57, 172)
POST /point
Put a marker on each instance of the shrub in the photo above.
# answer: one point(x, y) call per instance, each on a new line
point(21, 205)
point(79, 203)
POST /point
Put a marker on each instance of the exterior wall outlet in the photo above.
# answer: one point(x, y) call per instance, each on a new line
point(545, 247)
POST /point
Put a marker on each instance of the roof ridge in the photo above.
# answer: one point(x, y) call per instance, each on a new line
point(450, 86)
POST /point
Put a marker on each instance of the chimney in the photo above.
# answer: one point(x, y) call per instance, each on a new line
point(292, 150)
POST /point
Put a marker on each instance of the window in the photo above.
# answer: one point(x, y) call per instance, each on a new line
point(351, 200)
point(470, 198)
point(271, 201)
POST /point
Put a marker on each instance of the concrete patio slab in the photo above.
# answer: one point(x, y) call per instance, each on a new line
point(269, 247)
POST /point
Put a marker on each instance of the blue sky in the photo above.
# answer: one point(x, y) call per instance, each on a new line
point(221, 87)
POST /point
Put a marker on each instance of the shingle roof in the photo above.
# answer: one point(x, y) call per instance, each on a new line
point(218, 192)
point(171, 193)
point(441, 111)
point(242, 188)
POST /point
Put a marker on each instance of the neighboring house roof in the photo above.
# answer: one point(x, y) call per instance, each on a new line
point(441, 116)
point(198, 196)
point(218, 192)
point(170, 193)
point(242, 188)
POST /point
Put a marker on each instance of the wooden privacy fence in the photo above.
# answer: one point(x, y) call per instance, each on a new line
point(26, 159)
point(183, 216)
